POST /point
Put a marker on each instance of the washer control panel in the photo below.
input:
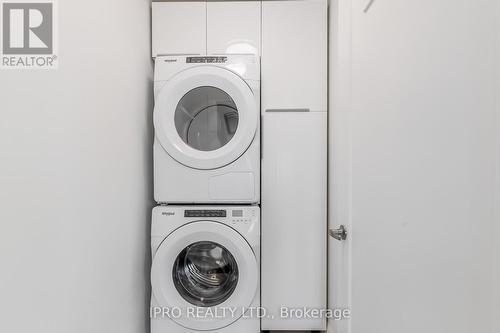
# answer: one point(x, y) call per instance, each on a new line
point(230, 215)
point(242, 216)
point(243, 219)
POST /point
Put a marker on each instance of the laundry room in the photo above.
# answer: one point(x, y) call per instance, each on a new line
point(250, 166)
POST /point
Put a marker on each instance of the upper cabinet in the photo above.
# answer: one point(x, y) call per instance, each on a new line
point(179, 28)
point(196, 27)
point(233, 27)
point(294, 55)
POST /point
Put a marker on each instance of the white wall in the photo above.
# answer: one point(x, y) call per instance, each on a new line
point(496, 257)
point(75, 177)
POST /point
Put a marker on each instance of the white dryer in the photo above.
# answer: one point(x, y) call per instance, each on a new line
point(207, 121)
point(205, 271)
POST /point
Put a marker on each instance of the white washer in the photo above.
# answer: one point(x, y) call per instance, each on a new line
point(207, 137)
point(205, 271)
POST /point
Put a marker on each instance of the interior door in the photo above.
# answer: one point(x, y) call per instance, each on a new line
point(413, 169)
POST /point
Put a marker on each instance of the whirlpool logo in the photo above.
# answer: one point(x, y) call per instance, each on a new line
point(168, 213)
point(28, 34)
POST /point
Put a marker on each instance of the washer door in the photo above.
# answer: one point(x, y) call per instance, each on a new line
point(205, 117)
point(205, 265)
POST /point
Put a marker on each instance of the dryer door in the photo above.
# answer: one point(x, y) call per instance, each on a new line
point(206, 269)
point(205, 117)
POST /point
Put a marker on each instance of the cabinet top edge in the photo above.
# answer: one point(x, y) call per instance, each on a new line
point(238, 0)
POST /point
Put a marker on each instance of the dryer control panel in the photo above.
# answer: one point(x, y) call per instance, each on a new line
point(205, 213)
point(206, 60)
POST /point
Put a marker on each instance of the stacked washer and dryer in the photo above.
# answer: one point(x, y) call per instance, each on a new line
point(230, 152)
point(206, 229)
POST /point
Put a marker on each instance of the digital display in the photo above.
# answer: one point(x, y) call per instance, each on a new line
point(205, 60)
point(205, 213)
point(238, 213)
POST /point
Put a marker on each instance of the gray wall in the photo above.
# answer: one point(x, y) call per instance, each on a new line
point(75, 177)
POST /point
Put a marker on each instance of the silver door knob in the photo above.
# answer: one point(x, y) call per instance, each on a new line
point(339, 234)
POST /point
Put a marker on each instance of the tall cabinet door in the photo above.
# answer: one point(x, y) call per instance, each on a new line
point(294, 54)
point(414, 166)
point(294, 162)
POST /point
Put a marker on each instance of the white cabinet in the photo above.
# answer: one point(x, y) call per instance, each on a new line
point(195, 27)
point(294, 181)
point(233, 27)
point(294, 54)
point(294, 161)
point(179, 28)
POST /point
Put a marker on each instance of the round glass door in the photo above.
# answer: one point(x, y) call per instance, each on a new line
point(206, 118)
point(205, 274)
point(205, 264)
